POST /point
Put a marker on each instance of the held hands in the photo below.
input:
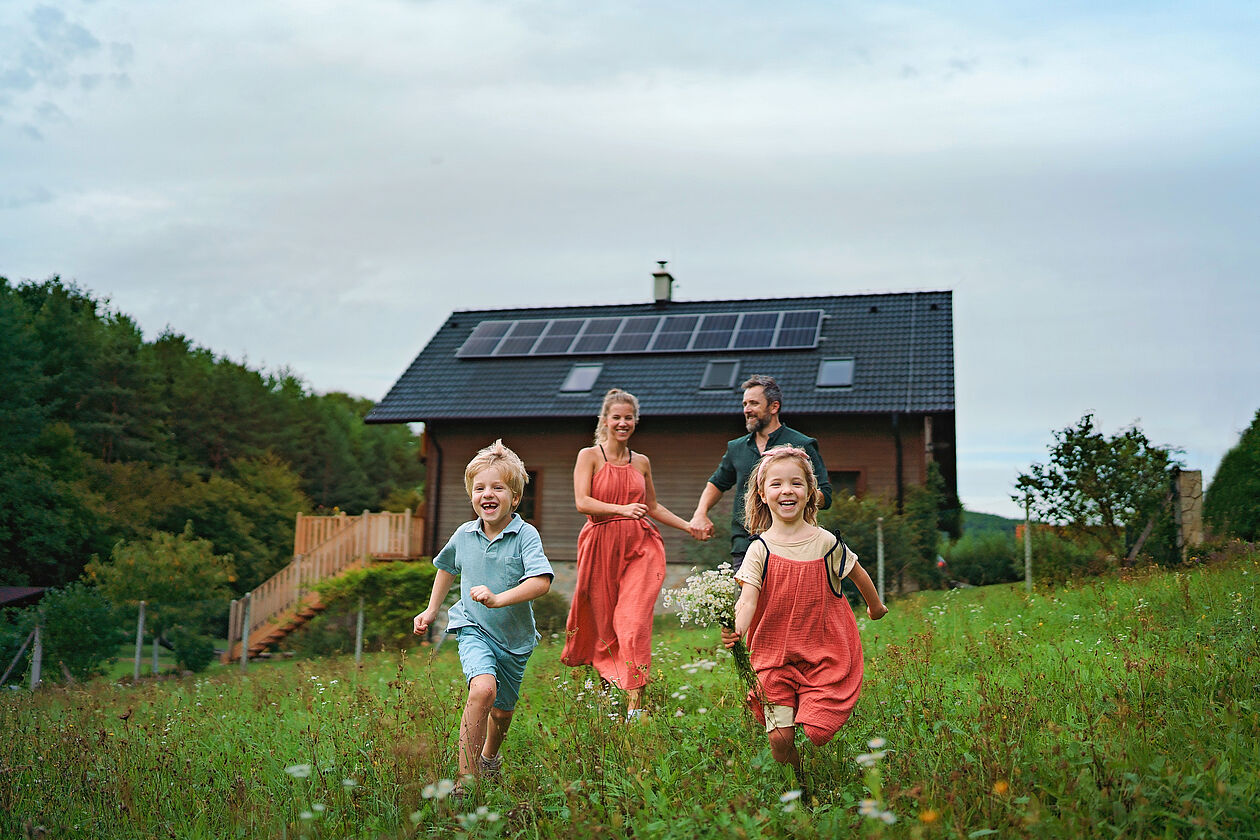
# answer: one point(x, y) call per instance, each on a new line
point(634, 510)
point(420, 624)
point(700, 527)
point(483, 595)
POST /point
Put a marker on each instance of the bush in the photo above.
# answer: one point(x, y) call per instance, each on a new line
point(1232, 505)
point(985, 558)
point(1056, 558)
point(551, 613)
point(81, 630)
point(392, 595)
point(193, 652)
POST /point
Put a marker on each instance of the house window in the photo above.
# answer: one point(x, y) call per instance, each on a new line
point(581, 378)
point(845, 483)
point(528, 508)
point(720, 375)
point(835, 373)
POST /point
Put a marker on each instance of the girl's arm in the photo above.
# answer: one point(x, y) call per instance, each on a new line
point(583, 472)
point(656, 510)
point(441, 585)
point(526, 590)
point(874, 607)
point(745, 609)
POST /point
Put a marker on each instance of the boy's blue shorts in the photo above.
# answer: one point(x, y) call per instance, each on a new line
point(480, 654)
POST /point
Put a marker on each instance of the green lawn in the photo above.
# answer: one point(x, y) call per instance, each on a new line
point(1112, 708)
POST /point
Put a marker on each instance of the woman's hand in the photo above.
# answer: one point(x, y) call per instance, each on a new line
point(635, 510)
point(483, 595)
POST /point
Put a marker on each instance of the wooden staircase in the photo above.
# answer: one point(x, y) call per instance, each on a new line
point(323, 547)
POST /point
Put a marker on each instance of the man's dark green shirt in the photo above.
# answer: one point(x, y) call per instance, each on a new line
point(738, 462)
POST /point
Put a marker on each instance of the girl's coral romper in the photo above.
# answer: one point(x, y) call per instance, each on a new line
point(804, 646)
point(620, 569)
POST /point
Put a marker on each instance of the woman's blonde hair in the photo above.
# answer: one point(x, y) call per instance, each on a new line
point(756, 512)
point(615, 396)
point(510, 466)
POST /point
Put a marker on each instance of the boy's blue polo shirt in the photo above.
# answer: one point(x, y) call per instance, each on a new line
point(511, 557)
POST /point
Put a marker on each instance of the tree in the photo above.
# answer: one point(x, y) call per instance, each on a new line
point(80, 630)
point(1232, 506)
point(1114, 489)
point(181, 579)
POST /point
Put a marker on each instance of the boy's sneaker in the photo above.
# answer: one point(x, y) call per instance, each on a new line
point(491, 768)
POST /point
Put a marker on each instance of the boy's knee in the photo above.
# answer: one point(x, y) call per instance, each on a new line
point(482, 690)
point(501, 716)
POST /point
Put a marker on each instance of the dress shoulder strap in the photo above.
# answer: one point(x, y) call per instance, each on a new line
point(765, 566)
point(844, 556)
point(602, 452)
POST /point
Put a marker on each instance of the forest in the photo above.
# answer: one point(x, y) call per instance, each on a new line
point(107, 439)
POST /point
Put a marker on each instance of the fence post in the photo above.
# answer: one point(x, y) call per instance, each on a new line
point(37, 657)
point(17, 658)
point(135, 674)
point(406, 546)
point(358, 636)
point(155, 653)
point(1027, 545)
point(297, 578)
point(879, 554)
point(249, 603)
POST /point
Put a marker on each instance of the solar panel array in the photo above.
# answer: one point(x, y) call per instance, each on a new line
point(793, 329)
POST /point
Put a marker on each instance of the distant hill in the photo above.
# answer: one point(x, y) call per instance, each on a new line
point(983, 523)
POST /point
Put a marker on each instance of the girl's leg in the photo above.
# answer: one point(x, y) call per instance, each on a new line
point(497, 728)
point(472, 728)
point(783, 747)
point(634, 699)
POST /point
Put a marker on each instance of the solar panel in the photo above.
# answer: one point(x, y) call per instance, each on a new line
point(636, 334)
point(712, 331)
point(675, 333)
point(484, 339)
point(558, 336)
point(520, 338)
point(756, 330)
point(799, 329)
point(597, 336)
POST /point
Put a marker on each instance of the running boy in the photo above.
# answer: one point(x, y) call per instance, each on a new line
point(501, 565)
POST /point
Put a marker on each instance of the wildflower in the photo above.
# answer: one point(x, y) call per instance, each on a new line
point(790, 796)
point(870, 759)
point(306, 815)
point(929, 816)
point(1001, 787)
point(888, 817)
point(349, 783)
point(876, 743)
point(679, 713)
point(299, 771)
point(318, 807)
point(868, 807)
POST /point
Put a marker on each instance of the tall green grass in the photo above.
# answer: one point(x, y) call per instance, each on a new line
point(1110, 708)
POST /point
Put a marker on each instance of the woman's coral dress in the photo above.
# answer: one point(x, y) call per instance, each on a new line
point(620, 569)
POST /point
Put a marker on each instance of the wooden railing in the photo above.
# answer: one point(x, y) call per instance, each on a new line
point(330, 545)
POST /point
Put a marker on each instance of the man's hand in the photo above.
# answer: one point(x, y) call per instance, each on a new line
point(483, 595)
point(700, 526)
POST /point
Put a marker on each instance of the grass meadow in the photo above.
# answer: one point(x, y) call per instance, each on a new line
point(1116, 707)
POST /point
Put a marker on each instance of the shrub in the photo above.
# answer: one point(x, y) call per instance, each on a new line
point(985, 558)
point(193, 652)
point(551, 613)
point(1232, 505)
point(81, 630)
point(392, 595)
point(1057, 558)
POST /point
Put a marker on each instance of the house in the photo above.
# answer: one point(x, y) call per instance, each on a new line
point(871, 376)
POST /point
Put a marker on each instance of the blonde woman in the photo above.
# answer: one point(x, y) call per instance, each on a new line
point(621, 558)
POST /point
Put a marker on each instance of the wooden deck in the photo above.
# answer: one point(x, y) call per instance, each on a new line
point(323, 547)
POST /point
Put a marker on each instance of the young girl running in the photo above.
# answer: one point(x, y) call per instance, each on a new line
point(802, 636)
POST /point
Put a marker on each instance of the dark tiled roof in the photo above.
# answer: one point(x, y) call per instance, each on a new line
point(902, 344)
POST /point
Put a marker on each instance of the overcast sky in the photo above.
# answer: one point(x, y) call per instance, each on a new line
point(318, 184)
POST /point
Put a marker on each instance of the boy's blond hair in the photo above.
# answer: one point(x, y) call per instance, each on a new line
point(510, 466)
point(757, 516)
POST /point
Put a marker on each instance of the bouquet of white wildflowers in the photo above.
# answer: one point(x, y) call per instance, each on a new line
point(707, 599)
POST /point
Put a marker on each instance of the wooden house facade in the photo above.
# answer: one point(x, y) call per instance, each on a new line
point(871, 376)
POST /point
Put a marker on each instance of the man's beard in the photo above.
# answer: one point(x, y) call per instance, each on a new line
point(755, 424)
